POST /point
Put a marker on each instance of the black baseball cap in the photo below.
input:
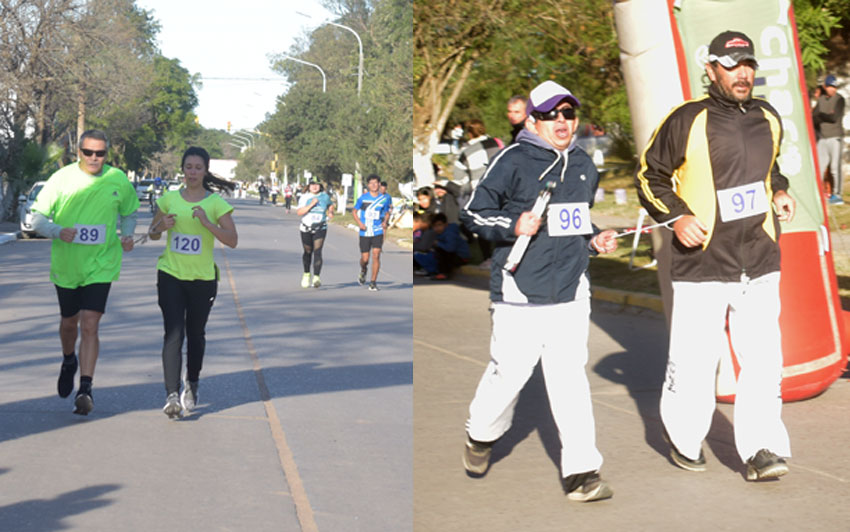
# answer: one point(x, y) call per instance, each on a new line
point(730, 48)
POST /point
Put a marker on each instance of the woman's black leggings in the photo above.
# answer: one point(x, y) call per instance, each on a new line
point(185, 308)
point(313, 243)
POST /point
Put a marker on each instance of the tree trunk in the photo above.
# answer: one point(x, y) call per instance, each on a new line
point(81, 114)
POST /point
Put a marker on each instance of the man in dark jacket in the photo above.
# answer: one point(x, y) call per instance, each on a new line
point(827, 117)
point(541, 309)
point(720, 151)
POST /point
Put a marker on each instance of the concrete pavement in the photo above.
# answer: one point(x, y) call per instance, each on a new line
point(522, 491)
point(305, 414)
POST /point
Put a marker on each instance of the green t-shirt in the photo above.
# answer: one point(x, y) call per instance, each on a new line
point(92, 204)
point(188, 254)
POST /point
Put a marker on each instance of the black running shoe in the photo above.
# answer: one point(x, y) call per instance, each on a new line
point(587, 487)
point(83, 404)
point(476, 456)
point(683, 461)
point(373, 286)
point(361, 278)
point(765, 465)
point(66, 378)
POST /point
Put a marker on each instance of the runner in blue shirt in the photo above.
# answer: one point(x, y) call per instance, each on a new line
point(371, 212)
point(315, 208)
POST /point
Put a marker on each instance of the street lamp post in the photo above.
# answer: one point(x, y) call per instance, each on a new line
point(359, 47)
point(324, 79)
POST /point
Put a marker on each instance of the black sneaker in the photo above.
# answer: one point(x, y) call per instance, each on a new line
point(373, 286)
point(764, 465)
point(476, 456)
point(587, 487)
point(361, 279)
point(66, 378)
point(683, 461)
point(83, 404)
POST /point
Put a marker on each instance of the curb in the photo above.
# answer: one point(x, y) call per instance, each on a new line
point(611, 295)
point(7, 237)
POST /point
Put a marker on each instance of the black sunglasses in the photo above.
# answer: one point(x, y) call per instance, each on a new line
point(89, 153)
point(567, 112)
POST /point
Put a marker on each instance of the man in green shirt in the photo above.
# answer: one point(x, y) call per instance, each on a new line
point(87, 203)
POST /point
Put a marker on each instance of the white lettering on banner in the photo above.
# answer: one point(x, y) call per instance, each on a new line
point(90, 234)
point(186, 244)
point(742, 202)
point(569, 219)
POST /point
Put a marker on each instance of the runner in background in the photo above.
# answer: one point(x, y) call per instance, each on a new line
point(371, 212)
point(187, 277)
point(315, 208)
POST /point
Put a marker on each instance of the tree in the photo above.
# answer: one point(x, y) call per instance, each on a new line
point(331, 133)
point(448, 38)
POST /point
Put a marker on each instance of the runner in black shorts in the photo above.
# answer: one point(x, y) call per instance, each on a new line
point(88, 201)
point(371, 212)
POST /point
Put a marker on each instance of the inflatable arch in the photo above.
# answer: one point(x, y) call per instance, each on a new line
point(664, 45)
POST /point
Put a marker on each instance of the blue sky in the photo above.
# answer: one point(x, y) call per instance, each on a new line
point(232, 39)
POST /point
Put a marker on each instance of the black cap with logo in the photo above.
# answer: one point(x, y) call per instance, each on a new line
point(730, 48)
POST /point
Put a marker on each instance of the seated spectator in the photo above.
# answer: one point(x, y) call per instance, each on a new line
point(446, 252)
point(446, 195)
point(425, 202)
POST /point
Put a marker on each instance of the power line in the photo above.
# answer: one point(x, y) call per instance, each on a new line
point(279, 80)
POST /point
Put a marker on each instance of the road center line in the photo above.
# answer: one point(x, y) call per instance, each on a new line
point(290, 470)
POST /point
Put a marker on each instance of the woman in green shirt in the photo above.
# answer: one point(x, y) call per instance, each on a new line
point(187, 277)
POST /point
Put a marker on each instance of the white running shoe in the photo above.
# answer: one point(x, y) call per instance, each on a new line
point(305, 280)
point(172, 407)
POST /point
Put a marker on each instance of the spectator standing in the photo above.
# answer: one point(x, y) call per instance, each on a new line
point(86, 201)
point(827, 116)
point(516, 115)
point(469, 168)
point(541, 310)
point(725, 258)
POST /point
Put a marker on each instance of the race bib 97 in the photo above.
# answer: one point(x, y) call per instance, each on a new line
point(569, 219)
point(90, 234)
point(742, 202)
point(186, 244)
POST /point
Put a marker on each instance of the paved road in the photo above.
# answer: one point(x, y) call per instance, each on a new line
point(627, 348)
point(305, 416)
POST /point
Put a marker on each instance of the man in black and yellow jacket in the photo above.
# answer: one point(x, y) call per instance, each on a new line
point(710, 171)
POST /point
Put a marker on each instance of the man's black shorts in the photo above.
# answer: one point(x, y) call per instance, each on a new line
point(371, 242)
point(90, 297)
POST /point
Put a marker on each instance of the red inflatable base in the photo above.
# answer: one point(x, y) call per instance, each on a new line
point(814, 345)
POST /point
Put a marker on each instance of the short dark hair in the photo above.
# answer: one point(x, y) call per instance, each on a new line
point(383, 183)
point(439, 217)
point(95, 134)
point(373, 176)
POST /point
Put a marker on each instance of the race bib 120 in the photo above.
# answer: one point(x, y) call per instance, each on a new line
point(186, 244)
point(90, 234)
point(743, 201)
point(569, 219)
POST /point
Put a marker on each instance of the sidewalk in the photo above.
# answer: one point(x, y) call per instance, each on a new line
point(9, 231)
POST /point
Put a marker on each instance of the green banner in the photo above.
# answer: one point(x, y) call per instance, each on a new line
point(768, 23)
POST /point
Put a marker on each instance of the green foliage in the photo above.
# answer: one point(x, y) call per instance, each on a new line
point(816, 20)
point(330, 133)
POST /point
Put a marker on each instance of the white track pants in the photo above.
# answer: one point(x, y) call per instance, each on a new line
point(697, 339)
point(557, 336)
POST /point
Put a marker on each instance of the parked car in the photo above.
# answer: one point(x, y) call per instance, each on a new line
point(142, 189)
point(25, 202)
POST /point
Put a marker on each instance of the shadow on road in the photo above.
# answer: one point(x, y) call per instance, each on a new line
point(48, 515)
point(217, 393)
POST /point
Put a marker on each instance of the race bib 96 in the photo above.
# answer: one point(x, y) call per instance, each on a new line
point(569, 219)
